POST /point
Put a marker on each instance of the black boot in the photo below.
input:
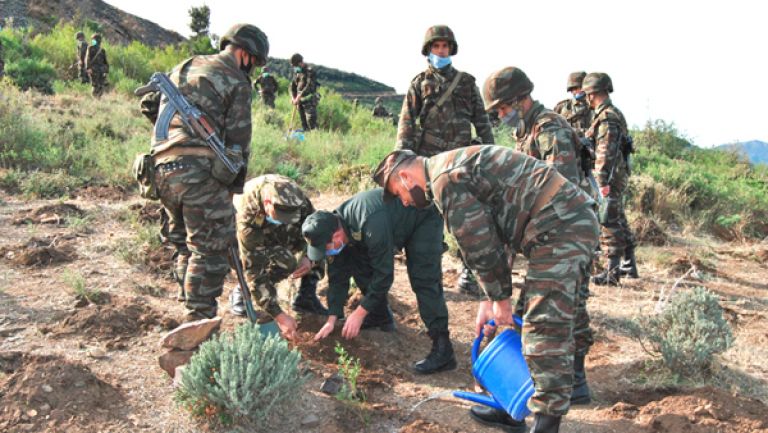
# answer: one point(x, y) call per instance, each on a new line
point(306, 301)
point(611, 275)
point(383, 320)
point(468, 283)
point(580, 393)
point(236, 302)
point(497, 418)
point(441, 357)
point(628, 266)
point(545, 423)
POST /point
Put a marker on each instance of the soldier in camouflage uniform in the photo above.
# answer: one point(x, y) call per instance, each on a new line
point(440, 108)
point(269, 216)
point(379, 110)
point(612, 148)
point(576, 110)
point(82, 48)
point(2, 62)
point(304, 92)
point(96, 65)
point(267, 86)
point(195, 189)
point(359, 236)
point(544, 135)
point(498, 202)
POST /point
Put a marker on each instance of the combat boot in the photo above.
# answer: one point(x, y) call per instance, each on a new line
point(468, 284)
point(611, 275)
point(383, 320)
point(580, 393)
point(545, 423)
point(236, 302)
point(628, 266)
point(497, 418)
point(441, 357)
point(306, 301)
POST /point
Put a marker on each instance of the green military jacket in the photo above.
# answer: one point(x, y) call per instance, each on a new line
point(305, 82)
point(266, 84)
point(576, 112)
point(96, 59)
point(608, 130)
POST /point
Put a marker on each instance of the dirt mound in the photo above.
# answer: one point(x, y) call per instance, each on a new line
point(49, 393)
point(102, 192)
point(682, 264)
point(39, 252)
point(647, 231)
point(149, 212)
point(49, 214)
point(160, 259)
point(421, 426)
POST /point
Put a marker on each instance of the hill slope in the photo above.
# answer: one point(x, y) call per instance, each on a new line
point(755, 150)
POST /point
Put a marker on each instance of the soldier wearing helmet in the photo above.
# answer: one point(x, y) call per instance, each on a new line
point(612, 148)
point(194, 186)
point(304, 92)
point(440, 108)
point(267, 87)
point(96, 65)
point(82, 48)
point(379, 110)
point(576, 109)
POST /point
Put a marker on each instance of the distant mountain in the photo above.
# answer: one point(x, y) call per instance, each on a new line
point(755, 150)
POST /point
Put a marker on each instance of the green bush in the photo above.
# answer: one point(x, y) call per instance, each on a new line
point(35, 74)
point(687, 333)
point(245, 378)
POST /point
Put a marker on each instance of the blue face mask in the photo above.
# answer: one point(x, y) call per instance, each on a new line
point(266, 74)
point(579, 96)
point(94, 42)
point(335, 251)
point(272, 220)
point(511, 118)
point(297, 69)
point(438, 62)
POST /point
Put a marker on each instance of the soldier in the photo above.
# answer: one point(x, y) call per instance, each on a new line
point(379, 110)
point(359, 236)
point(545, 135)
point(612, 148)
point(269, 217)
point(2, 62)
point(497, 203)
point(194, 186)
point(96, 65)
point(267, 86)
point(440, 108)
point(82, 48)
point(576, 110)
point(304, 92)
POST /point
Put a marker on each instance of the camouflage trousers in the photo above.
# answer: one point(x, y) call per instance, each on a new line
point(98, 83)
point(615, 234)
point(308, 115)
point(268, 99)
point(83, 74)
point(553, 303)
point(201, 226)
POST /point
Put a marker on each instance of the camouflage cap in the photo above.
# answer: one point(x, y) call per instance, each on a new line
point(597, 82)
point(318, 230)
point(286, 198)
point(250, 38)
point(438, 33)
point(387, 166)
point(575, 79)
point(504, 86)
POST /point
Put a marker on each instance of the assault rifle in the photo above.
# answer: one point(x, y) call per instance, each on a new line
point(235, 257)
point(190, 115)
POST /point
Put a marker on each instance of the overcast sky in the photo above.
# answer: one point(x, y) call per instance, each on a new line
point(701, 66)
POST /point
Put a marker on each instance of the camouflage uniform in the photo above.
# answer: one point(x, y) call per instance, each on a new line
point(305, 83)
point(268, 251)
point(576, 112)
point(267, 86)
point(82, 49)
point(379, 110)
point(2, 62)
point(97, 66)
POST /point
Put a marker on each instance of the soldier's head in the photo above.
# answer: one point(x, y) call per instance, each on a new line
point(597, 86)
point(324, 234)
point(96, 39)
point(378, 100)
point(80, 36)
point(248, 44)
point(508, 91)
point(297, 61)
point(281, 200)
point(439, 45)
point(401, 174)
point(575, 80)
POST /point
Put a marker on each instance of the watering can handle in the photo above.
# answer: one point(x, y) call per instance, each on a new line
point(476, 344)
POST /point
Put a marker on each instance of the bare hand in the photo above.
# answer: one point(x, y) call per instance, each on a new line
point(305, 265)
point(287, 325)
point(326, 329)
point(605, 190)
point(484, 315)
point(354, 323)
point(502, 312)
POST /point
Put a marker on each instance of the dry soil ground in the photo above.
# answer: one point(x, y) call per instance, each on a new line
point(69, 365)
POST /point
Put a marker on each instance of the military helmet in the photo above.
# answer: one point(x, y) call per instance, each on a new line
point(505, 86)
point(96, 36)
point(575, 79)
point(597, 82)
point(249, 38)
point(436, 33)
point(79, 35)
point(296, 59)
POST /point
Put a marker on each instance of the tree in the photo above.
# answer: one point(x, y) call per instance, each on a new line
point(200, 20)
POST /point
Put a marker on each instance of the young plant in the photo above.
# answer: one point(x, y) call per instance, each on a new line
point(349, 367)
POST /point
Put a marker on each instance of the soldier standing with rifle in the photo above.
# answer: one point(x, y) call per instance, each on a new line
point(96, 65)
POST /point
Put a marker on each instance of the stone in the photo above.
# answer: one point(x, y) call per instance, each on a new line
point(332, 385)
point(169, 361)
point(79, 384)
point(97, 353)
point(624, 407)
point(177, 376)
point(47, 388)
point(31, 413)
point(310, 421)
point(191, 334)
point(45, 407)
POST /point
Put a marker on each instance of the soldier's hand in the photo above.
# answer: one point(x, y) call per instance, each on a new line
point(502, 312)
point(327, 329)
point(305, 265)
point(484, 315)
point(287, 325)
point(354, 323)
point(605, 190)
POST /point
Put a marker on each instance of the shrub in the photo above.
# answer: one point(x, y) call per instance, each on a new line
point(32, 74)
point(243, 378)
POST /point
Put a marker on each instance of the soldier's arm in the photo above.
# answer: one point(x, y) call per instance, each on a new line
point(339, 273)
point(237, 129)
point(294, 91)
point(406, 127)
point(480, 118)
point(378, 239)
point(557, 148)
point(606, 150)
point(308, 92)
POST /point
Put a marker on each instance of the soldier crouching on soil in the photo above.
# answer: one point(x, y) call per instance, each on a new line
point(493, 199)
point(358, 240)
point(269, 217)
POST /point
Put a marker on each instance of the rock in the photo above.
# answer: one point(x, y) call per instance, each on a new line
point(47, 388)
point(45, 408)
point(624, 407)
point(191, 334)
point(175, 358)
point(97, 353)
point(79, 384)
point(718, 413)
point(31, 413)
point(332, 385)
point(310, 421)
point(177, 376)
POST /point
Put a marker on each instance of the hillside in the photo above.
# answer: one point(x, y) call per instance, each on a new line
point(755, 150)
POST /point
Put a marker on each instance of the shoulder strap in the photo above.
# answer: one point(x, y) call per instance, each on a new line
point(450, 90)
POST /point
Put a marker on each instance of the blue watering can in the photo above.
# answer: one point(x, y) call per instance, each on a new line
point(502, 371)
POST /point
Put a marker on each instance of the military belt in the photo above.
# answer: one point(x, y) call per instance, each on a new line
point(176, 151)
point(173, 166)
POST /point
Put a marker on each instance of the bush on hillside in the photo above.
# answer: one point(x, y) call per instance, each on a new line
point(35, 74)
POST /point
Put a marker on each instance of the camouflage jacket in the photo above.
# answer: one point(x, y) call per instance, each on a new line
point(428, 129)
point(546, 136)
point(379, 110)
point(96, 59)
point(305, 82)
point(82, 48)
point(493, 198)
point(608, 130)
point(266, 84)
point(577, 113)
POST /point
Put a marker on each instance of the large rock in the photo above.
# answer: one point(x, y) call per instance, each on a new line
point(175, 358)
point(191, 334)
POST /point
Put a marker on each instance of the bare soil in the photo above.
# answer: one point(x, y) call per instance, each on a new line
point(83, 367)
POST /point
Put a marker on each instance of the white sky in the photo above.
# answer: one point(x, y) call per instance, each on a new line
point(695, 64)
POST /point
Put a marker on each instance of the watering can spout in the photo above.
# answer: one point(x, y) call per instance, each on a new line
point(478, 398)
